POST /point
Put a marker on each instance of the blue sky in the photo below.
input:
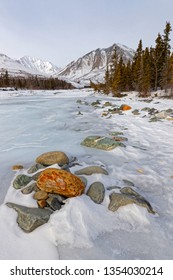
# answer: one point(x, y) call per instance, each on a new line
point(63, 30)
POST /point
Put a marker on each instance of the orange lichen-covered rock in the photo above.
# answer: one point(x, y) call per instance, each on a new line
point(62, 182)
point(125, 107)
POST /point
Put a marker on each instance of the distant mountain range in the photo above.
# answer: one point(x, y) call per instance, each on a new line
point(91, 66)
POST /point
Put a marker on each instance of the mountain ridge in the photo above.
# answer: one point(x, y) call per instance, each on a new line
point(89, 67)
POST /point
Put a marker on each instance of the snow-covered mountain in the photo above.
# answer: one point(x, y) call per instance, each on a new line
point(39, 65)
point(14, 67)
point(92, 66)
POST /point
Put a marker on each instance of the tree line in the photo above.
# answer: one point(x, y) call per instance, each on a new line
point(32, 82)
point(151, 69)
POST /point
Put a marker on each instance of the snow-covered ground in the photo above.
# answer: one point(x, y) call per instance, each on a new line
point(32, 123)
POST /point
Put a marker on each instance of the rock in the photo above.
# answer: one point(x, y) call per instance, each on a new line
point(125, 107)
point(61, 182)
point(35, 168)
point(40, 195)
point(53, 158)
point(162, 115)
point(136, 112)
point(107, 103)
point(42, 203)
point(30, 218)
point(96, 192)
point(129, 183)
point(29, 189)
point(101, 142)
point(21, 181)
point(54, 203)
point(61, 199)
point(95, 103)
point(116, 133)
point(119, 139)
point(17, 167)
point(36, 175)
point(109, 188)
point(140, 200)
point(89, 170)
point(121, 199)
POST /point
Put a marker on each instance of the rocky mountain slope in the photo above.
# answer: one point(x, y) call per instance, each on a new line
point(92, 66)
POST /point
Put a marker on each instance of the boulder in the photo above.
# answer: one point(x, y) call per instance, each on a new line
point(21, 181)
point(52, 158)
point(101, 142)
point(61, 182)
point(89, 170)
point(30, 218)
point(96, 192)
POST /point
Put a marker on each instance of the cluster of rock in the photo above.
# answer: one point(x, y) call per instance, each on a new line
point(154, 114)
point(51, 187)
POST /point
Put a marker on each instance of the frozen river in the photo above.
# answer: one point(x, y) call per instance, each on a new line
point(32, 123)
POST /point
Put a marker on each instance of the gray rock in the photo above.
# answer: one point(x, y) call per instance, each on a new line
point(61, 199)
point(36, 175)
point(96, 192)
point(54, 203)
point(128, 197)
point(30, 218)
point(112, 188)
point(129, 183)
point(162, 115)
point(29, 189)
point(35, 168)
point(116, 133)
point(21, 181)
point(139, 198)
point(101, 142)
point(136, 112)
point(91, 170)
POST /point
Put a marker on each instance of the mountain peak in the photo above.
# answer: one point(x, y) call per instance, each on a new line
point(39, 65)
point(92, 66)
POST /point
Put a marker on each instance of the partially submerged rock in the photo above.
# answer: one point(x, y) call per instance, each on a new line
point(96, 192)
point(17, 167)
point(35, 168)
point(101, 142)
point(54, 157)
point(125, 107)
point(21, 180)
point(128, 196)
point(30, 218)
point(62, 182)
point(89, 170)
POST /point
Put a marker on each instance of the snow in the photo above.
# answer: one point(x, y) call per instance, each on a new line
point(34, 122)
point(45, 67)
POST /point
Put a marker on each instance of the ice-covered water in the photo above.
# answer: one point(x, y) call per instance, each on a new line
point(35, 122)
